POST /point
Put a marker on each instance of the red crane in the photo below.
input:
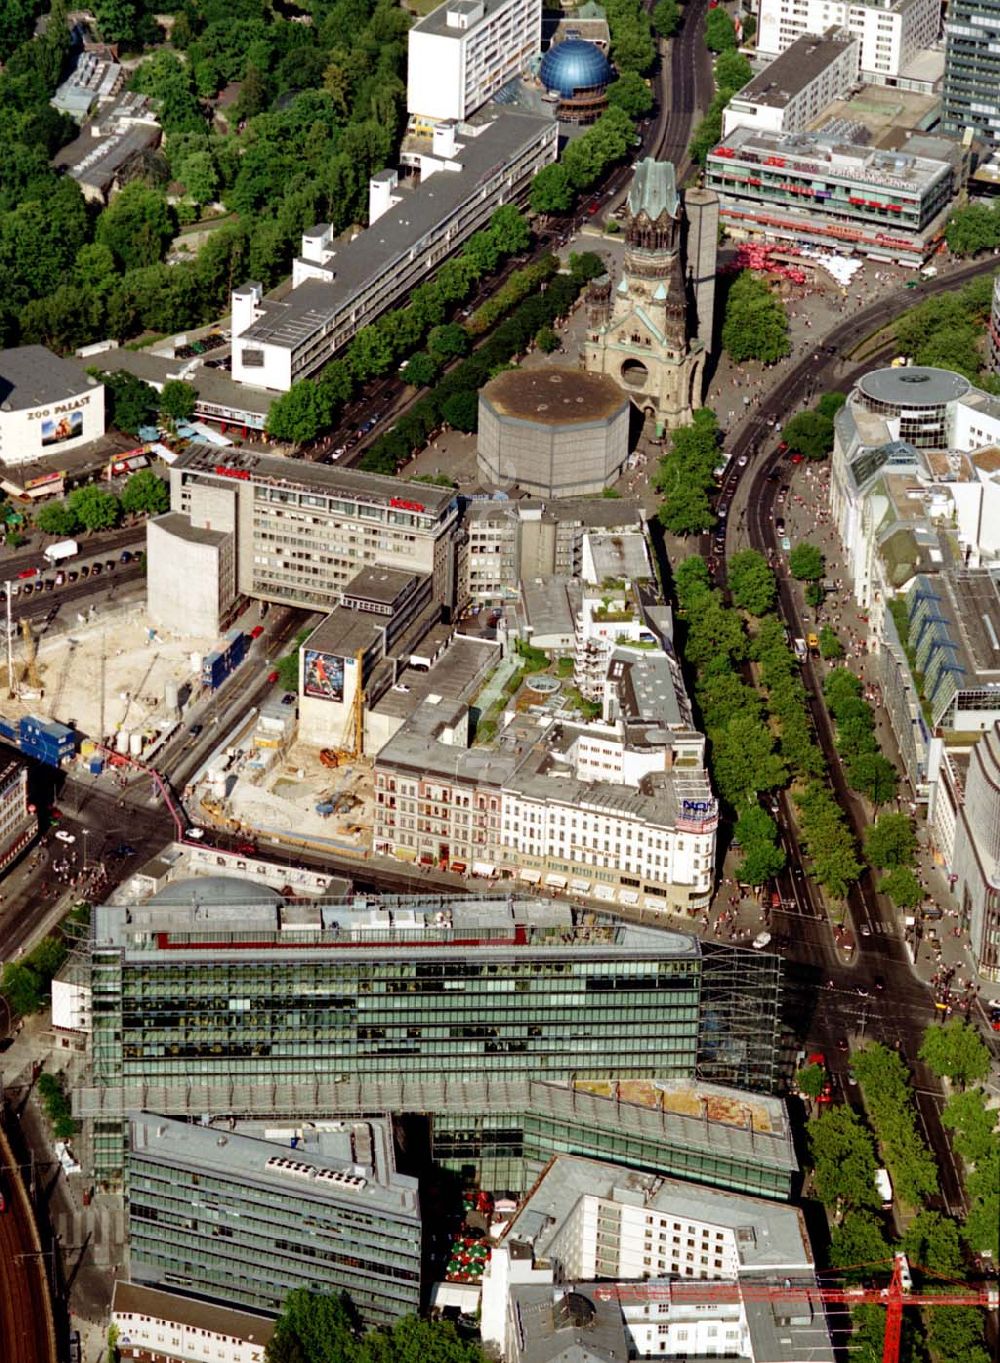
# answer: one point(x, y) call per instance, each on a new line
point(894, 1297)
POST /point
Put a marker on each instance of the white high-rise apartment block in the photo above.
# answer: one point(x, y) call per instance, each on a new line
point(465, 50)
point(891, 32)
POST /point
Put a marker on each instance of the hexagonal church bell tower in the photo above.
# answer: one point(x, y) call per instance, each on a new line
point(652, 332)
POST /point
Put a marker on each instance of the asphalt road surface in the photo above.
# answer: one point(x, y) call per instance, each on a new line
point(828, 1001)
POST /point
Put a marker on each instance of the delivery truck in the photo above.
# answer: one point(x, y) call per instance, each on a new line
point(62, 550)
point(883, 1185)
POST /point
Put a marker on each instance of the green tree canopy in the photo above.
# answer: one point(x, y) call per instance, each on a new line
point(843, 1157)
point(751, 582)
point(56, 518)
point(177, 401)
point(21, 988)
point(873, 775)
point(810, 433)
point(956, 1051)
point(755, 325)
point(297, 416)
point(885, 1084)
point(461, 410)
point(720, 34)
point(810, 1079)
point(136, 226)
point(973, 228)
point(902, 887)
point(132, 401)
point(806, 562)
point(631, 94)
point(94, 508)
point(145, 494)
point(732, 72)
point(551, 191)
point(830, 646)
point(932, 1241)
point(891, 841)
point(666, 17)
point(973, 1123)
point(858, 1242)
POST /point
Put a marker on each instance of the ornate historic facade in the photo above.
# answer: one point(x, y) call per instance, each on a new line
point(653, 331)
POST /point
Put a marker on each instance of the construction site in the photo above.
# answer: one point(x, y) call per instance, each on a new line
point(103, 676)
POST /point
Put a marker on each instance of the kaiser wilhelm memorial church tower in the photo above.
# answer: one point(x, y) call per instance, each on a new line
point(653, 331)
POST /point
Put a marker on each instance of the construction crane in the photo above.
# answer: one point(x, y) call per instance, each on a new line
point(31, 673)
point(359, 704)
point(796, 1292)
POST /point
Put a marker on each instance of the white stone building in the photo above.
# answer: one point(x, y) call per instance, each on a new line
point(48, 406)
point(891, 32)
point(797, 86)
point(464, 51)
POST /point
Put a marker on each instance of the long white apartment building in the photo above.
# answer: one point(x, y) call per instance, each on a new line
point(463, 52)
point(340, 287)
point(890, 32)
point(797, 86)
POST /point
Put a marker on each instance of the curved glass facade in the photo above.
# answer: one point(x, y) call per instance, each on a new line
point(574, 65)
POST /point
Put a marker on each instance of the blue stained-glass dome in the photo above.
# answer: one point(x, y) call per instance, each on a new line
point(574, 65)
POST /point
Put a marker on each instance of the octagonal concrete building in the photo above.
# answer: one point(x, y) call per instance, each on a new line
point(552, 432)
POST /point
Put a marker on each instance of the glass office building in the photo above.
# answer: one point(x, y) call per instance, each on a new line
point(240, 987)
point(225, 1215)
point(972, 68)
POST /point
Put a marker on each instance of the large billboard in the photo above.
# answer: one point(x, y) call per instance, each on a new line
point(57, 429)
point(323, 675)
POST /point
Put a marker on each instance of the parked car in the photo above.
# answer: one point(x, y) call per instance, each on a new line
point(195, 730)
point(63, 836)
point(257, 631)
point(125, 557)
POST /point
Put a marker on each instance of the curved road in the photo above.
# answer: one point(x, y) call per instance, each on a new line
point(836, 1002)
point(26, 1328)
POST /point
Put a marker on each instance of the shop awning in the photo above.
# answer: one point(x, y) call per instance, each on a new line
point(579, 886)
point(426, 859)
point(557, 882)
point(532, 877)
point(406, 853)
point(604, 892)
point(628, 896)
point(458, 867)
point(483, 868)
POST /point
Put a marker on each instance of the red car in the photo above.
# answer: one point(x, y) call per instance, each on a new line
point(272, 677)
point(245, 849)
point(257, 631)
point(29, 572)
point(826, 1096)
point(796, 458)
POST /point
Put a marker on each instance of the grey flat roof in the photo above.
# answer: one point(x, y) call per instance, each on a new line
point(398, 233)
point(94, 162)
point(796, 68)
point(31, 376)
point(550, 604)
point(453, 677)
point(316, 477)
point(244, 1159)
point(213, 385)
point(437, 21)
point(914, 386)
point(137, 1300)
point(779, 1241)
point(382, 585)
point(179, 524)
point(346, 632)
point(623, 556)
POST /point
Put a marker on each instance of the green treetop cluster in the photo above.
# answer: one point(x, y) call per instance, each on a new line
point(973, 228)
point(686, 475)
point(455, 399)
point(321, 108)
point(885, 1085)
point(312, 404)
point(811, 432)
point(867, 770)
point(94, 508)
point(756, 324)
point(731, 73)
point(947, 331)
point(319, 1328)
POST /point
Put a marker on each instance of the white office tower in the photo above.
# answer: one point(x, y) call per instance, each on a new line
point(891, 32)
point(465, 50)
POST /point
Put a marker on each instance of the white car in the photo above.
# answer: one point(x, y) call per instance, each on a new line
point(742, 462)
point(63, 836)
point(761, 941)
